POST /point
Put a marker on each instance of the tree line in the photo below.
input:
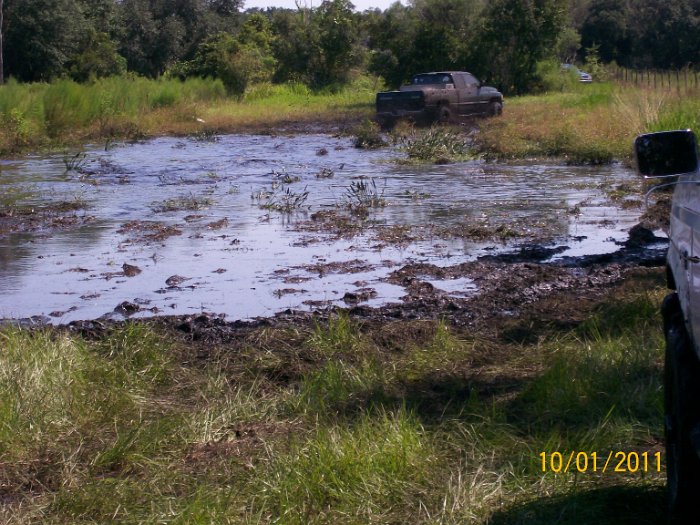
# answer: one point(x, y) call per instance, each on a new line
point(503, 42)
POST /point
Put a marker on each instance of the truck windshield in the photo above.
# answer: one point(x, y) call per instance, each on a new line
point(432, 78)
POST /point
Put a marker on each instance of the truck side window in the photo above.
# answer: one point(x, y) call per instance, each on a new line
point(470, 80)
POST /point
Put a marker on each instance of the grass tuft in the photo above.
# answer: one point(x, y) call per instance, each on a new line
point(436, 145)
point(366, 472)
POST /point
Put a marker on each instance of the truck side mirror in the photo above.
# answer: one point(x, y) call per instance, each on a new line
point(666, 153)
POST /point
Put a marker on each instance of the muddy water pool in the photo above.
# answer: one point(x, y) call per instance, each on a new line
point(232, 226)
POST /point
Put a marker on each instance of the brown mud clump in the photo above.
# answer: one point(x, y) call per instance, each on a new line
point(44, 218)
point(147, 231)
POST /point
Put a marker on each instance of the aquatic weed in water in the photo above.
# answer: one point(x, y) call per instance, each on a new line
point(362, 194)
point(285, 202)
point(437, 145)
point(74, 162)
point(190, 202)
point(368, 136)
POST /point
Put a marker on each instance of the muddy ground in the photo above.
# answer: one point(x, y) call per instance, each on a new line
point(504, 286)
point(518, 296)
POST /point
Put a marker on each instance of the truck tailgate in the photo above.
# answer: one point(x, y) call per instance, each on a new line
point(396, 101)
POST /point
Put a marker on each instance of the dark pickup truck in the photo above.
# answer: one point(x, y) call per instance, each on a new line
point(440, 97)
point(672, 158)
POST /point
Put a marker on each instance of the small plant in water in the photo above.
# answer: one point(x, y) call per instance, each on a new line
point(190, 202)
point(368, 136)
point(363, 194)
point(437, 145)
point(286, 201)
point(416, 195)
point(75, 162)
point(205, 135)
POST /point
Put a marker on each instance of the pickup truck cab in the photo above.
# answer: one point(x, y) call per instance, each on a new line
point(438, 96)
point(672, 158)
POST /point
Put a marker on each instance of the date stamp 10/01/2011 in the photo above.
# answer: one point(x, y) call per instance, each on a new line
point(592, 462)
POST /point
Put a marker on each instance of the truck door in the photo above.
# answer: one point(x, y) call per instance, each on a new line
point(470, 95)
point(690, 258)
point(680, 253)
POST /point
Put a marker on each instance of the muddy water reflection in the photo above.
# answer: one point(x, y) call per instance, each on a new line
point(178, 207)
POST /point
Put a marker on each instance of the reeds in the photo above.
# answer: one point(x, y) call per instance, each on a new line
point(35, 113)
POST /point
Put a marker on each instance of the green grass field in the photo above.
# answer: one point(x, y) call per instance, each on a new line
point(65, 113)
point(336, 423)
point(588, 123)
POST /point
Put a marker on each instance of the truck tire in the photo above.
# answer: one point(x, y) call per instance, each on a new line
point(495, 108)
point(444, 114)
point(387, 123)
point(681, 376)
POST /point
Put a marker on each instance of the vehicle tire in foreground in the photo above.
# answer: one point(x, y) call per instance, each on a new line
point(681, 373)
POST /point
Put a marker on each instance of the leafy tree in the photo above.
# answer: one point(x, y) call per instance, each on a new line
point(139, 34)
point(237, 61)
point(225, 8)
point(155, 34)
point(664, 34)
point(40, 36)
point(219, 57)
point(2, 64)
point(568, 45)
point(100, 16)
point(97, 58)
point(607, 27)
point(517, 34)
point(317, 47)
point(578, 11)
point(336, 50)
point(432, 34)
point(256, 41)
point(294, 46)
point(391, 40)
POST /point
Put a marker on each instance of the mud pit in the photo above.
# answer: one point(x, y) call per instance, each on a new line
point(250, 226)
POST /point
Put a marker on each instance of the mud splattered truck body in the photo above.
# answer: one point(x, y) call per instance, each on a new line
point(438, 96)
point(672, 158)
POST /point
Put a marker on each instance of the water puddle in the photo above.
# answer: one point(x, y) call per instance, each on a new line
point(458, 287)
point(252, 225)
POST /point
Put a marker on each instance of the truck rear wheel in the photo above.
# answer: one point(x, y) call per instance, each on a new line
point(681, 376)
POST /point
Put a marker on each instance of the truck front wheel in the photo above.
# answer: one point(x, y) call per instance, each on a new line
point(444, 114)
point(495, 108)
point(681, 377)
point(387, 123)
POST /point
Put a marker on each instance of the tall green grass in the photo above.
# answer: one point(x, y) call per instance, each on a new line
point(63, 109)
point(588, 124)
point(369, 472)
point(64, 112)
